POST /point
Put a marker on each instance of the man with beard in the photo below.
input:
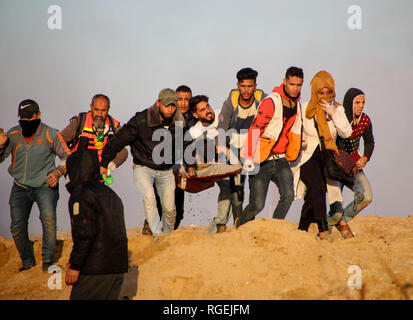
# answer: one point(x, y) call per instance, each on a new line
point(184, 94)
point(236, 117)
point(205, 135)
point(153, 157)
point(93, 129)
point(34, 146)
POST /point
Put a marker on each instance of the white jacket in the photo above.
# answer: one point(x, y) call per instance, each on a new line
point(338, 125)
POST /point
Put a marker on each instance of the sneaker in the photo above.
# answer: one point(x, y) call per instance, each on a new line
point(345, 230)
point(146, 230)
point(26, 268)
point(46, 265)
point(325, 235)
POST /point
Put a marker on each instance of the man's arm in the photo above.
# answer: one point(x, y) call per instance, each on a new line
point(124, 137)
point(224, 122)
point(5, 148)
point(59, 148)
point(225, 116)
point(122, 155)
point(263, 117)
point(69, 133)
point(187, 143)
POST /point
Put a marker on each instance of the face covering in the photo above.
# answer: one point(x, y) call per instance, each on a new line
point(29, 127)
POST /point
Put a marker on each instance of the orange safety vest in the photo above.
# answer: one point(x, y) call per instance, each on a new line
point(89, 133)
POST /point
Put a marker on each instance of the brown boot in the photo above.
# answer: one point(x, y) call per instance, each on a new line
point(345, 230)
point(146, 230)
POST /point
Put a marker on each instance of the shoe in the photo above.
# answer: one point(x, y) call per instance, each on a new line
point(26, 268)
point(325, 235)
point(221, 228)
point(46, 265)
point(345, 230)
point(146, 230)
point(29, 267)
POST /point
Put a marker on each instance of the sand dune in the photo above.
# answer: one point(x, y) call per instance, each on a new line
point(265, 259)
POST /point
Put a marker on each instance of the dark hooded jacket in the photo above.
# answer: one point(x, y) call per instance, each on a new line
point(362, 129)
point(100, 244)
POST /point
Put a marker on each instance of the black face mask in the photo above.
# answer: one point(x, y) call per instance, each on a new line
point(29, 127)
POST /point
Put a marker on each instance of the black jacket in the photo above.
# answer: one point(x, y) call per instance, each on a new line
point(138, 134)
point(100, 245)
point(352, 144)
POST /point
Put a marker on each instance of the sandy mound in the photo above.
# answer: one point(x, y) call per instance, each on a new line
point(264, 259)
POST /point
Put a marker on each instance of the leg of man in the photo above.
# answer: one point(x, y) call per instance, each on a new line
point(179, 205)
point(144, 179)
point(165, 184)
point(158, 202)
point(282, 176)
point(224, 205)
point(97, 287)
point(364, 197)
point(46, 199)
point(258, 192)
point(20, 206)
point(237, 183)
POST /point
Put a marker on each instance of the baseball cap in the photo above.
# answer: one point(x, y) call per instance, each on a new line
point(168, 96)
point(27, 108)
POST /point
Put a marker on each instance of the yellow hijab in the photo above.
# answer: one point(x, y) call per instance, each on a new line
point(322, 80)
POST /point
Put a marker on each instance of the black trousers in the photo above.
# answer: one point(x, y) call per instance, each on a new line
point(314, 208)
point(97, 287)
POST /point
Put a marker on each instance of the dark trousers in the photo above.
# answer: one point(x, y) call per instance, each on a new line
point(279, 172)
point(314, 208)
point(237, 195)
point(97, 287)
point(179, 204)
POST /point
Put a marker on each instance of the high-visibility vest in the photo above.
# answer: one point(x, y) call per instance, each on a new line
point(90, 134)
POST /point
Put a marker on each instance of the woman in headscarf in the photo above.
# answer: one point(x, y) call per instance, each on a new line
point(354, 103)
point(309, 180)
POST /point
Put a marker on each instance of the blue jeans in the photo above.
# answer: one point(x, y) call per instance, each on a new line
point(279, 172)
point(21, 202)
point(224, 205)
point(362, 200)
point(164, 180)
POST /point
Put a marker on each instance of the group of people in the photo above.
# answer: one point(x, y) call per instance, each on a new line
point(179, 143)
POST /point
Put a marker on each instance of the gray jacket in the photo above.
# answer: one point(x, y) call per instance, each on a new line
point(31, 163)
point(229, 115)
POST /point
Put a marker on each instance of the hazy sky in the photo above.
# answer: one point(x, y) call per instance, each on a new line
point(130, 50)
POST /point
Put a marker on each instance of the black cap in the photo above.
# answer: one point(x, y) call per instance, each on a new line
point(27, 108)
